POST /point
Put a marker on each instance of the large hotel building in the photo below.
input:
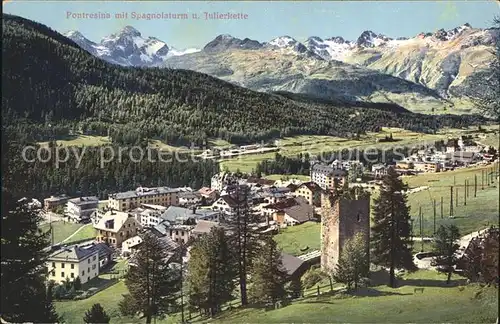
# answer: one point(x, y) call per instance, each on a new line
point(163, 196)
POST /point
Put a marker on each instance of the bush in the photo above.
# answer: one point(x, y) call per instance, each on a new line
point(312, 277)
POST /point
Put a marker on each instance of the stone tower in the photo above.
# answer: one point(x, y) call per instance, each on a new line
point(341, 219)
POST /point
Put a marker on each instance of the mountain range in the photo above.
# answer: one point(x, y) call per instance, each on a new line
point(52, 86)
point(425, 73)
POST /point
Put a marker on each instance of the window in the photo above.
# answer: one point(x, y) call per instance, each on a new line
point(72, 275)
point(88, 270)
point(89, 261)
point(359, 217)
point(83, 272)
point(94, 258)
point(93, 267)
point(62, 274)
point(62, 265)
point(176, 232)
point(53, 273)
point(72, 266)
point(53, 264)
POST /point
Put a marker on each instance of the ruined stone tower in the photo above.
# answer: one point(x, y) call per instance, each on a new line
point(341, 219)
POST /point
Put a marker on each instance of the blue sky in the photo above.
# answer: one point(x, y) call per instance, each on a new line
point(266, 20)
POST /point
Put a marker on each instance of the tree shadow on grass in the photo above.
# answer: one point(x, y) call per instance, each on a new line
point(431, 283)
point(371, 292)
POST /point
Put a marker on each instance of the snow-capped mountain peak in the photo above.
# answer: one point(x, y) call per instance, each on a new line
point(283, 42)
point(128, 47)
point(370, 39)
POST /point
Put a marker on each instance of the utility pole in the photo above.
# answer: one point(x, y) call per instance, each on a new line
point(456, 197)
point(442, 207)
point(434, 216)
point(475, 186)
point(482, 179)
point(421, 228)
point(465, 194)
point(467, 188)
point(451, 201)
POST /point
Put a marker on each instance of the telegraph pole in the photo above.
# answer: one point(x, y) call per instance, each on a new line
point(442, 207)
point(434, 216)
point(451, 201)
point(421, 228)
point(475, 186)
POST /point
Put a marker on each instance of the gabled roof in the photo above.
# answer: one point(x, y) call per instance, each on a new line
point(296, 208)
point(72, 254)
point(261, 181)
point(112, 221)
point(84, 200)
point(291, 263)
point(102, 248)
point(205, 191)
point(313, 186)
point(283, 204)
point(175, 213)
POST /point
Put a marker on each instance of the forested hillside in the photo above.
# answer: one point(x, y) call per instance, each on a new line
point(51, 87)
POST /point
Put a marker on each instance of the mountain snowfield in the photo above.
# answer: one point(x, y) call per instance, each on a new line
point(129, 48)
point(441, 67)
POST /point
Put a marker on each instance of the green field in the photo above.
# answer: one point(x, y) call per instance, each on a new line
point(437, 304)
point(295, 238)
point(87, 232)
point(82, 140)
point(61, 229)
point(288, 177)
point(478, 213)
point(317, 144)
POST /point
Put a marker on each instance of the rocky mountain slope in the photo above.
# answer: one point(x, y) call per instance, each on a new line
point(441, 67)
point(128, 48)
point(284, 64)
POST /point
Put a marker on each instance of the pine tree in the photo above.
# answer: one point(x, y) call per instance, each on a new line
point(244, 239)
point(391, 233)
point(211, 272)
point(268, 276)
point(353, 262)
point(24, 297)
point(96, 315)
point(152, 283)
point(445, 246)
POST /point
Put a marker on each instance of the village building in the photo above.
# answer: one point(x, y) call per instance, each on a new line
point(311, 192)
point(115, 227)
point(53, 202)
point(81, 209)
point(189, 198)
point(289, 212)
point(209, 194)
point(72, 262)
point(163, 196)
point(326, 176)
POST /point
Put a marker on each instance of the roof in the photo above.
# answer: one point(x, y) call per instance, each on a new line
point(283, 204)
point(57, 198)
point(261, 181)
point(206, 191)
point(321, 168)
point(84, 200)
point(102, 248)
point(155, 207)
point(72, 253)
point(189, 195)
point(204, 226)
point(174, 213)
point(112, 221)
point(141, 191)
point(291, 263)
point(313, 186)
point(296, 208)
